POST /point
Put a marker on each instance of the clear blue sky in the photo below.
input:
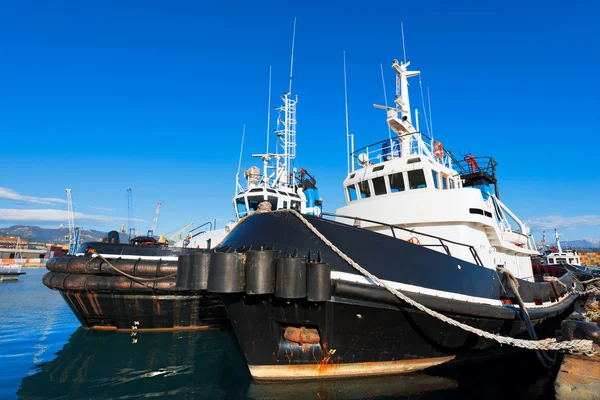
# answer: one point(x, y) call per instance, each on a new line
point(153, 95)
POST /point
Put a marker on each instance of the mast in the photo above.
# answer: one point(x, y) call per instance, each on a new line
point(286, 128)
point(402, 98)
point(557, 241)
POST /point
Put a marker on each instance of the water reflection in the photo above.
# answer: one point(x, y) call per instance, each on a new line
point(109, 365)
point(210, 365)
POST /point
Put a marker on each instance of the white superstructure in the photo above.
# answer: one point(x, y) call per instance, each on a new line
point(410, 181)
point(558, 255)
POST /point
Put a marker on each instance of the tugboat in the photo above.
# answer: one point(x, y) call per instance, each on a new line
point(555, 261)
point(143, 284)
point(298, 289)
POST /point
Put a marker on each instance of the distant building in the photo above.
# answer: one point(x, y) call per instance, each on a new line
point(11, 242)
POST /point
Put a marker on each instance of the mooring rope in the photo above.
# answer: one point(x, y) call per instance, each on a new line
point(133, 277)
point(573, 346)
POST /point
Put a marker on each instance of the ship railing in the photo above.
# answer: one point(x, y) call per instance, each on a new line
point(443, 242)
point(470, 165)
point(391, 148)
point(210, 228)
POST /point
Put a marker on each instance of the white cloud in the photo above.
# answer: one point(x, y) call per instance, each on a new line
point(9, 194)
point(102, 208)
point(50, 215)
point(556, 221)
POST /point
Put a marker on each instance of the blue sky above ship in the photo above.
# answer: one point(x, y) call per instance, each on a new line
point(99, 97)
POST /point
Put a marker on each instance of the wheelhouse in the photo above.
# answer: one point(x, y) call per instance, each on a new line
point(246, 202)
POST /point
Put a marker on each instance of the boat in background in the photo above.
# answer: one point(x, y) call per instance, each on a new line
point(12, 271)
point(556, 261)
point(428, 226)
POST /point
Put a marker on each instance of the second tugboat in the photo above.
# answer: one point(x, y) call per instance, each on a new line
point(147, 285)
point(427, 225)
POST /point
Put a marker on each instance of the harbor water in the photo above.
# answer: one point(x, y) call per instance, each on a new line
point(45, 354)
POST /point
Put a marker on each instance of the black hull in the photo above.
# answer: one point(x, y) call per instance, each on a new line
point(101, 298)
point(365, 330)
point(116, 311)
point(359, 337)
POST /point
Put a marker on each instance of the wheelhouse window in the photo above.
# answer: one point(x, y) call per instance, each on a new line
point(352, 193)
point(295, 205)
point(254, 201)
point(285, 204)
point(416, 179)
point(379, 186)
point(397, 182)
point(551, 260)
point(444, 181)
point(240, 205)
point(364, 190)
point(434, 174)
point(273, 201)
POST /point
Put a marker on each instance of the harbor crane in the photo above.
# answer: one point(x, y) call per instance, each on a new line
point(154, 221)
point(179, 232)
point(73, 231)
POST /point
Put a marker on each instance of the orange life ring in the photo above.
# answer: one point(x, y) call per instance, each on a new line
point(414, 240)
point(438, 150)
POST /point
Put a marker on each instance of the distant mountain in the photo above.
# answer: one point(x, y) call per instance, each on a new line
point(587, 243)
point(48, 235)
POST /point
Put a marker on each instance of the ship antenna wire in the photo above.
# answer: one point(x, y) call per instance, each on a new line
point(268, 114)
point(346, 103)
point(237, 176)
point(424, 108)
point(430, 118)
point(386, 102)
point(292, 62)
point(403, 45)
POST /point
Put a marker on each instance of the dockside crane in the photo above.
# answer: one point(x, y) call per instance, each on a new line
point(179, 232)
point(130, 213)
point(73, 231)
point(154, 221)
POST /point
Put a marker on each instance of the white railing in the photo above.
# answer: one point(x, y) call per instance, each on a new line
point(390, 149)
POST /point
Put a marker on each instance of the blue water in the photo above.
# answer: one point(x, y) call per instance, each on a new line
point(44, 354)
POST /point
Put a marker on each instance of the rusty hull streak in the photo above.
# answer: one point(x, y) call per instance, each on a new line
point(324, 370)
point(83, 307)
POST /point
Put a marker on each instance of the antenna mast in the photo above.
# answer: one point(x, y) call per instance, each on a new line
point(557, 240)
point(286, 130)
point(268, 114)
point(403, 45)
point(346, 103)
point(292, 62)
point(237, 176)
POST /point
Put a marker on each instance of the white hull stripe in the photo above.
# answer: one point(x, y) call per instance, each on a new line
point(344, 276)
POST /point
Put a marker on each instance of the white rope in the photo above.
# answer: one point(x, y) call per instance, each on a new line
point(577, 345)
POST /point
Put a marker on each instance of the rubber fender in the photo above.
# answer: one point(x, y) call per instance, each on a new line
point(226, 273)
point(318, 282)
point(260, 271)
point(290, 282)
